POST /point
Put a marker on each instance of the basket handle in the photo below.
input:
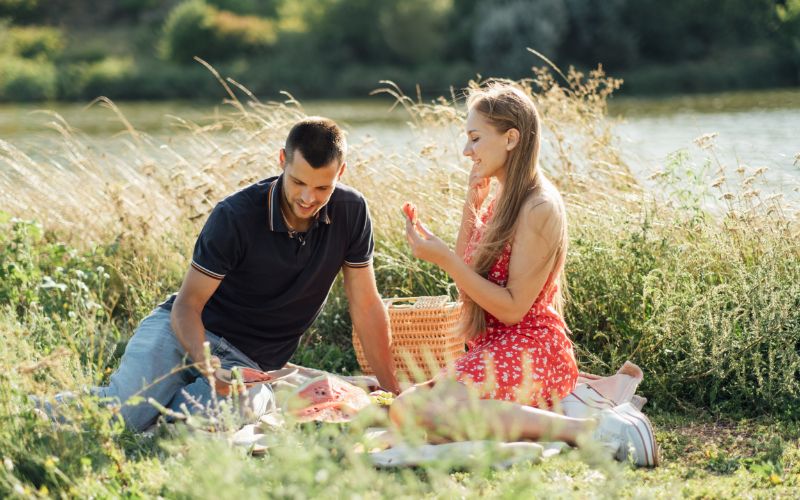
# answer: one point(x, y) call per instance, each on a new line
point(423, 302)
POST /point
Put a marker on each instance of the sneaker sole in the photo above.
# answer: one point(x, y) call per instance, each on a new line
point(643, 432)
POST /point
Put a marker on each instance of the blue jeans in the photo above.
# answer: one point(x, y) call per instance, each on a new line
point(152, 353)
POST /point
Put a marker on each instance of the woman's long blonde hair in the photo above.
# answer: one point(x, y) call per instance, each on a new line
point(506, 107)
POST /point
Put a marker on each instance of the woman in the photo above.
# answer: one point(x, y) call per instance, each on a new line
point(508, 263)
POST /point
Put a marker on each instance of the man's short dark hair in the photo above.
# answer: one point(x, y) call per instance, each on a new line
point(320, 141)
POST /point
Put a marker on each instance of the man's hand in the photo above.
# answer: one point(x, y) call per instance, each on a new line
point(208, 368)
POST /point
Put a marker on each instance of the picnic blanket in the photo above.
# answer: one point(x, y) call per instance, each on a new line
point(332, 398)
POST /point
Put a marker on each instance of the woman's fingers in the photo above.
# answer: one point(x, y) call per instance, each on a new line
point(476, 180)
point(411, 234)
point(418, 231)
point(478, 189)
point(424, 230)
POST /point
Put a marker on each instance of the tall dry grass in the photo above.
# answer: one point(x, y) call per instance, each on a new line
point(703, 295)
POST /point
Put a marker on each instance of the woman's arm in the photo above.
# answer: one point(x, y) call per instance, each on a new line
point(532, 260)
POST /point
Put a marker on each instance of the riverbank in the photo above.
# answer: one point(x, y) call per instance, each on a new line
point(753, 128)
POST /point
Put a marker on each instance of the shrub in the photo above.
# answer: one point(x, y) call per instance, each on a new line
point(188, 31)
point(34, 42)
point(19, 10)
point(41, 274)
point(26, 79)
point(414, 30)
point(266, 8)
point(241, 35)
point(195, 28)
point(104, 77)
point(756, 67)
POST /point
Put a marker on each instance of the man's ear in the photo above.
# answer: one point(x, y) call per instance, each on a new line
point(282, 158)
point(512, 139)
point(341, 170)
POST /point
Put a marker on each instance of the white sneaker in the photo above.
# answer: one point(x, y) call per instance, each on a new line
point(629, 432)
point(584, 402)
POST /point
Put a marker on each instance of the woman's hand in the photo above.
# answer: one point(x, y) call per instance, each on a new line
point(477, 190)
point(425, 245)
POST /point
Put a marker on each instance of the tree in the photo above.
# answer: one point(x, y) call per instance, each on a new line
point(505, 28)
point(414, 29)
point(599, 33)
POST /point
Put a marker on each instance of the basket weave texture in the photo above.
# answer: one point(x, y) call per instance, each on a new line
point(424, 333)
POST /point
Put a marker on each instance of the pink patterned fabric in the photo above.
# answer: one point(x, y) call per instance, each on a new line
point(531, 362)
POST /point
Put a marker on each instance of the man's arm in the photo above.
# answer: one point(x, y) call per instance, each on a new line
point(371, 323)
point(186, 317)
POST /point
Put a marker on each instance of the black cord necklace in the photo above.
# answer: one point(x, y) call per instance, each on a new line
point(292, 231)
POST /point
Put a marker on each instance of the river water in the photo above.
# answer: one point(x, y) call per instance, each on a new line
point(757, 129)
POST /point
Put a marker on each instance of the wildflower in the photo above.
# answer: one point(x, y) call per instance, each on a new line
point(706, 141)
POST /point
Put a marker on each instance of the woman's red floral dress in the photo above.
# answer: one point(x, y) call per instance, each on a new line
point(531, 362)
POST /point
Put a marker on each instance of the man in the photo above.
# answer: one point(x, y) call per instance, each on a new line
point(261, 270)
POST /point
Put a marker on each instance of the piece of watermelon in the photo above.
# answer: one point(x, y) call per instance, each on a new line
point(223, 379)
point(411, 211)
point(329, 399)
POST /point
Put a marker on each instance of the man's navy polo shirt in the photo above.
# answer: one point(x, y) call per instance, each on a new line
point(273, 286)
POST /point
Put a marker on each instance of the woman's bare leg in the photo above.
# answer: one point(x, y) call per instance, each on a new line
point(446, 409)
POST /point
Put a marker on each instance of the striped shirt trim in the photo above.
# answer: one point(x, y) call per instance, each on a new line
point(358, 264)
point(210, 274)
point(269, 204)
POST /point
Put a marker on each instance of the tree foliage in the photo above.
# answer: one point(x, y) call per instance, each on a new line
point(195, 28)
point(346, 46)
point(506, 28)
point(414, 29)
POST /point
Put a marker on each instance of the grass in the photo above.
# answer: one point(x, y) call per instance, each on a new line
point(697, 282)
point(703, 458)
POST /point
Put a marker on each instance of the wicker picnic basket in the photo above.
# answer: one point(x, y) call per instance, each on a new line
point(424, 336)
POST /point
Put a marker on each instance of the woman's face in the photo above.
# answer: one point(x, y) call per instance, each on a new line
point(486, 146)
